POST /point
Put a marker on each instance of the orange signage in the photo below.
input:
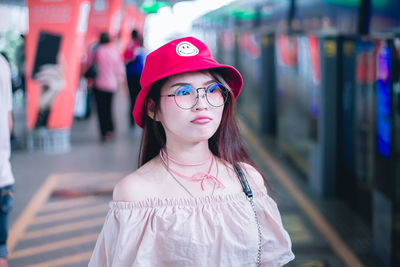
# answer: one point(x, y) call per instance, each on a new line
point(56, 35)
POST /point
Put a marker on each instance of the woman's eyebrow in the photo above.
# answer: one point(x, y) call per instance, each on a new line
point(179, 84)
point(211, 81)
point(188, 83)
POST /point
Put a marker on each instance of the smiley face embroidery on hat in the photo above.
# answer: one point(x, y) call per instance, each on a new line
point(186, 49)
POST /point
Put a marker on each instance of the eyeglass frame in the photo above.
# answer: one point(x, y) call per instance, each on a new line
point(204, 95)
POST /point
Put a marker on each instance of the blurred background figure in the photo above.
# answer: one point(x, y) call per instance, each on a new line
point(52, 82)
point(110, 77)
point(134, 57)
point(6, 176)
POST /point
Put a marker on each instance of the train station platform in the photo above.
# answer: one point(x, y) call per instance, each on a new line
point(61, 200)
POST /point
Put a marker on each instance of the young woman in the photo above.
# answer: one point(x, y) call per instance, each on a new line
point(197, 198)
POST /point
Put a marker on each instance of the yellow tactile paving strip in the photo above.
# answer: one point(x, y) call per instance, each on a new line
point(51, 218)
point(46, 217)
point(53, 246)
point(23, 221)
point(82, 224)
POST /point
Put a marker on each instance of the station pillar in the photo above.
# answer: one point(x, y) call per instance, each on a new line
point(268, 107)
point(324, 158)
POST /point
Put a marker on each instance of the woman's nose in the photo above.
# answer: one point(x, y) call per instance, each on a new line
point(201, 99)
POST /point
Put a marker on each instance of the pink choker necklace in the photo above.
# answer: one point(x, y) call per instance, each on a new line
point(163, 154)
point(200, 176)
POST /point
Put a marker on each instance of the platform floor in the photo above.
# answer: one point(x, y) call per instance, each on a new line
point(61, 200)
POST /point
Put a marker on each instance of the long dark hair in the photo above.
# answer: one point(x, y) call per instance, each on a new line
point(226, 143)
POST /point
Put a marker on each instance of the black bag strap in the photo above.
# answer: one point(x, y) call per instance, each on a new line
point(243, 181)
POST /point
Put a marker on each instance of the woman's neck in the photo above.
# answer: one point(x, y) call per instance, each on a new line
point(188, 154)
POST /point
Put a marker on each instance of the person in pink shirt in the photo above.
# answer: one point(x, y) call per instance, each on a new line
point(197, 198)
point(110, 77)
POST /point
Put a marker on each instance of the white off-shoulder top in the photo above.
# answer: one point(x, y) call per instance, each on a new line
point(207, 231)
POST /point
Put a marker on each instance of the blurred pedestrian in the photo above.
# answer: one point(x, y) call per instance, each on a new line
point(134, 57)
point(110, 77)
point(6, 176)
point(197, 198)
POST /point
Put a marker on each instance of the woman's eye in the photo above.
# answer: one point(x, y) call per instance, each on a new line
point(213, 88)
point(185, 90)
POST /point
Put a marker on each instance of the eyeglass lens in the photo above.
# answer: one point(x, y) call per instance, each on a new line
point(186, 96)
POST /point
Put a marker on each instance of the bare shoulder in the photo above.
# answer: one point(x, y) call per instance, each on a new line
point(137, 185)
point(127, 189)
point(254, 177)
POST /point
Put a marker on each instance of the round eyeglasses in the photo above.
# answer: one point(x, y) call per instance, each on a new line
point(186, 96)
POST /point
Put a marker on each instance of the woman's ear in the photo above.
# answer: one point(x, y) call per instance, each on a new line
point(150, 109)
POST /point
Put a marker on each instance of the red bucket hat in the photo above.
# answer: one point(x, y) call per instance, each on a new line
point(179, 56)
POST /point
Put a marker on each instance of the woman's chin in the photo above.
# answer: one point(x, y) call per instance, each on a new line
point(204, 134)
point(191, 135)
point(198, 138)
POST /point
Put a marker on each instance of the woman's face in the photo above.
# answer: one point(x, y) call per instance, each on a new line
point(193, 125)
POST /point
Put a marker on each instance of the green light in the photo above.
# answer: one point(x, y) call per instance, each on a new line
point(151, 7)
point(243, 14)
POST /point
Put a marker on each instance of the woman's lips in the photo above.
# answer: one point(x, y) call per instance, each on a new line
point(201, 120)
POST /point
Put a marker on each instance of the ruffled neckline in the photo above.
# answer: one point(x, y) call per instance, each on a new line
point(191, 202)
